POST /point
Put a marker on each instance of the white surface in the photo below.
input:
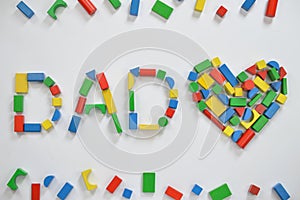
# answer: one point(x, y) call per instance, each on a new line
point(59, 49)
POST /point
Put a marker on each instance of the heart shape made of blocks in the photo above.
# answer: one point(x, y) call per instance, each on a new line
point(240, 106)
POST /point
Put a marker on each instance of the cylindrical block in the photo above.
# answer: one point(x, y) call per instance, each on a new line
point(271, 8)
point(88, 6)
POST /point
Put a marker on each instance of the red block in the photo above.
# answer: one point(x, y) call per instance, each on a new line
point(213, 119)
point(35, 191)
point(253, 189)
point(221, 11)
point(55, 90)
point(248, 85)
point(80, 105)
point(251, 70)
point(282, 72)
point(170, 112)
point(147, 72)
point(197, 96)
point(88, 6)
point(246, 138)
point(240, 111)
point(114, 184)
point(260, 108)
point(19, 123)
point(262, 74)
point(216, 74)
point(102, 81)
point(173, 193)
point(271, 8)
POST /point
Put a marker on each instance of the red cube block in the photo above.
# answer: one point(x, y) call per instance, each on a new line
point(55, 90)
point(253, 189)
point(197, 96)
point(260, 108)
point(170, 112)
point(221, 11)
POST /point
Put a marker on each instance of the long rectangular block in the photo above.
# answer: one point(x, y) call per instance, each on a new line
point(35, 77)
point(131, 101)
point(117, 123)
point(202, 66)
point(109, 101)
point(18, 103)
point(32, 127)
point(114, 184)
point(248, 4)
point(148, 72)
point(213, 119)
point(284, 88)
point(228, 75)
point(261, 84)
point(216, 74)
point(28, 12)
point(255, 99)
point(80, 105)
point(65, 191)
point(35, 191)
point(148, 127)
point(162, 9)
point(220, 192)
point(269, 98)
point(21, 84)
point(149, 182)
point(134, 7)
point(133, 121)
point(85, 87)
point(281, 191)
point(260, 123)
point(238, 102)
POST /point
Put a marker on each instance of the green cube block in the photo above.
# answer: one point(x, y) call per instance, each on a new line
point(242, 76)
point(284, 89)
point(260, 123)
point(254, 100)
point(149, 182)
point(18, 103)
point(117, 123)
point(217, 89)
point(269, 98)
point(85, 87)
point(48, 81)
point(131, 100)
point(235, 120)
point(201, 105)
point(161, 74)
point(115, 3)
point(220, 192)
point(162, 9)
point(273, 74)
point(194, 87)
point(202, 66)
point(238, 102)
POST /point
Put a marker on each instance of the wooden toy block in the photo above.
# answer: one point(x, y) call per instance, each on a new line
point(260, 123)
point(205, 81)
point(48, 81)
point(216, 74)
point(238, 102)
point(56, 115)
point(235, 120)
point(73, 127)
point(47, 124)
point(252, 93)
point(213, 119)
point(21, 84)
point(192, 76)
point(282, 73)
point(80, 105)
point(193, 87)
point(170, 82)
point(261, 64)
point(18, 103)
point(134, 7)
point(161, 74)
point(238, 92)
point(89, 107)
point(247, 4)
point(173, 103)
point(281, 98)
point(284, 89)
point(85, 175)
point(228, 131)
point(109, 102)
point(197, 96)
point(245, 138)
point(170, 112)
point(173, 193)
point(35, 191)
point(133, 117)
point(228, 75)
point(248, 85)
point(247, 114)
point(271, 8)
point(162, 9)
point(229, 89)
point(252, 70)
point(148, 72)
point(271, 111)
point(281, 191)
point(58, 4)
point(32, 127)
point(270, 96)
point(131, 101)
point(28, 12)
point(148, 182)
point(85, 87)
point(163, 121)
point(217, 89)
point(199, 6)
point(127, 193)
point(102, 81)
point(202, 66)
point(262, 74)
point(91, 75)
point(240, 111)
point(273, 74)
point(173, 93)
point(149, 127)
point(225, 117)
point(260, 108)
point(205, 93)
point(88, 6)
point(236, 135)
point(130, 81)
point(35, 77)
point(254, 100)
point(115, 3)
point(201, 106)
point(253, 189)
point(216, 62)
point(12, 181)
point(19, 123)
point(55, 90)
point(215, 105)
point(273, 64)
point(65, 191)
point(224, 99)
point(135, 71)
point(247, 125)
point(220, 192)
point(117, 123)
point(276, 86)
point(114, 184)
point(197, 189)
point(242, 77)
point(57, 102)
point(261, 84)
point(48, 180)
point(221, 11)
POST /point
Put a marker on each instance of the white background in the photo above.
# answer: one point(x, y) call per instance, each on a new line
point(60, 47)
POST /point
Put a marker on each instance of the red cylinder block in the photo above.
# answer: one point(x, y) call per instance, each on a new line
point(88, 6)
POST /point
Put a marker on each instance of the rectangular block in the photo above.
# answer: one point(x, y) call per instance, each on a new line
point(80, 105)
point(238, 102)
point(215, 105)
point(108, 99)
point(213, 119)
point(228, 75)
point(281, 191)
point(115, 3)
point(220, 192)
point(254, 100)
point(32, 127)
point(148, 72)
point(173, 193)
point(21, 84)
point(162, 9)
point(273, 74)
point(18, 103)
point(225, 117)
point(261, 84)
point(284, 89)
point(134, 7)
point(216, 74)
point(202, 66)
point(133, 117)
point(131, 100)
point(260, 123)
point(85, 87)
point(35, 191)
point(229, 89)
point(248, 4)
point(28, 12)
point(269, 98)
point(65, 191)
point(148, 127)
point(117, 123)
point(102, 81)
point(271, 111)
point(114, 184)
point(149, 182)
point(19, 123)
point(199, 6)
point(205, 81)
point(35, 77)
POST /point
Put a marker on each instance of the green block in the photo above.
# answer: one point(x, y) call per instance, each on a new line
point(163, 121)
point(117, 123)
point(254, 100)
point(52, 11)
point(48, 81)
point(220, 193)
point(235, 120)
point(85, 87)
point(12, 182)
point(18, 103)
point(149, 182)
point(242, 76)
point(202, 66)
point(273, 74)
point(194, 87)
point(115, 3)
point(161, 74)
point(89, 107)
point(284, 89)
point(269, 98)
point(201, 105)
point(131, 100)
point(238, 102)
point(162, 9)
point(217, 89)
point(260, 123)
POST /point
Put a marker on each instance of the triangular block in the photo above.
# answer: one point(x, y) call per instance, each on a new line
point(205, 93)
point(282, 73)
point(262, 74)
point(251, 70)
point(276, 86)
point(91, 74)
point(135, 71)
point(74, 124)
point(240, 111)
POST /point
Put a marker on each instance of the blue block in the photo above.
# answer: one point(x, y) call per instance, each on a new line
point(65, 191)
point(224, 99)
point(276, 86)
point(91, 74)
point(35, 77)
point(74, 124)
point(236, 135)
point(273, 64)
point(192, 76)
point(135, 71)
point(205, 93)
point(252, 93)
point(25, 9)
point(134, 7)
point(56, 115)
point(197, 189)
point(173, 103)
point(133, 121)
point(225, 117)
point(272, 109)
point(228, 75)
point(281, 191)
point(32, 127)
point(48, 180)
point(248, 4)
point(170, 82)
point(127, 193)
point(247, 114)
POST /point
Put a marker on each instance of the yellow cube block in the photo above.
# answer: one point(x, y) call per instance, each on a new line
point(206, 81)
point(57, 101)
point(229, 89)
point(228, 131)
point(216, 62)
point(261, 64)
point(149, 127)
point(21, 83)
point(281, 98)
point(47, 124)
point(199, 5)
point(130, 81)
point(215, 105)
point(173, 93)
point(109, 101)
point(238, 92)
point(261, 84)
point(255, 116)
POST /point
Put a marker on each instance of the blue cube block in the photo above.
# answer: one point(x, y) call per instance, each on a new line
point(134, 7)
point(32, 127)
point(73, 127)
point(35, 77)
point(197, 189)
point(133, 121)
point(25, 9)
point(248, 4)
point(65, 191)
point(193, 76)
point(281, 191)
point(173, 103)
point(127, 193)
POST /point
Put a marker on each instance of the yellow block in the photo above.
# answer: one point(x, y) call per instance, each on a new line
point(261, 84)
point(148, 127)
point(57, 102)
point(21, 84)
point(238, 92)
point(130, 81)
point(261, 64)
point(47, 124)
point(206, 81)
point(109, 101)
point(215, 105)
point(199, 5)
point(281, 98)
point(216, 62)
point(85, 174)
point(228, 131)
point(173, 93)
point(255, 116)
point(229, 89)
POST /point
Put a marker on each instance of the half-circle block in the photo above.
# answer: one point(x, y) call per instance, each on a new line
point(48, 180)
point(12, 182)
point(85, 175)
point(57, 4)
point(56, 115)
